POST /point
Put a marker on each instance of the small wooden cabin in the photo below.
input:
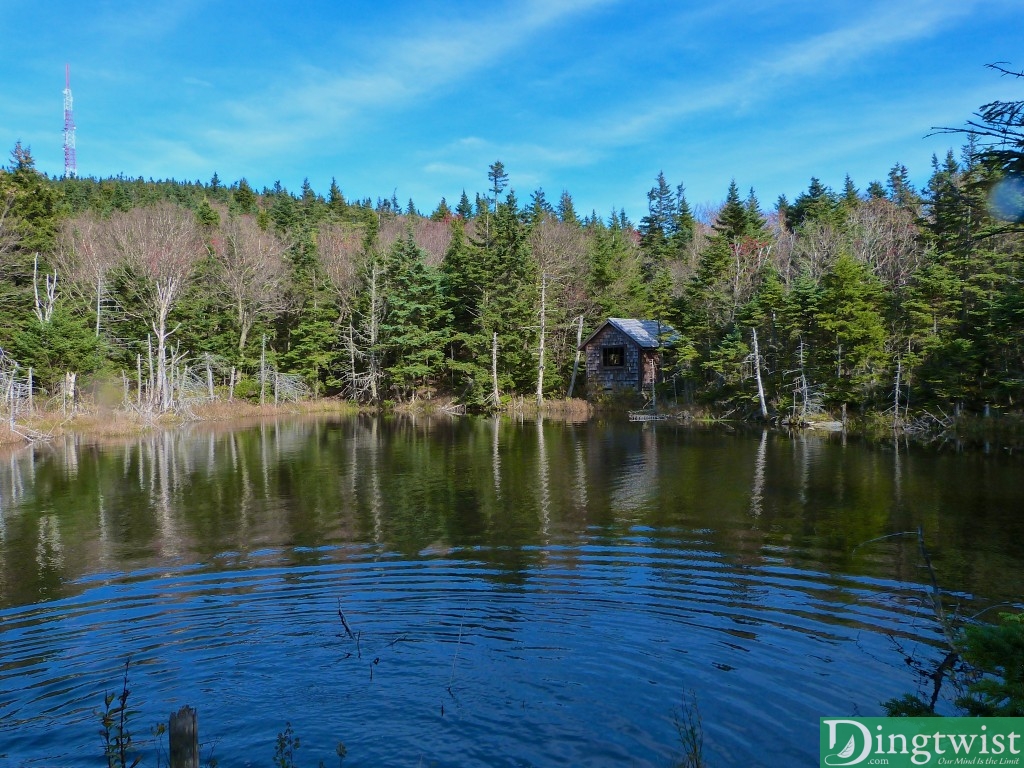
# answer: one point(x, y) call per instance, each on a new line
point(624, 353)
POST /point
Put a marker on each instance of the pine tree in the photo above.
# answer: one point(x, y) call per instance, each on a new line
point(685, 225)
point(615, 279)
point(244, 199)
point(900, 189)
point(499, 180)
point(853, 329)
point(876, 191)
point(851, 196)
point(733, 220)
point(566, 209)
point(817, 204)
point(442, 212)
point(335, 199)
point(539, 208)
point(415, 325)
point(464, 210)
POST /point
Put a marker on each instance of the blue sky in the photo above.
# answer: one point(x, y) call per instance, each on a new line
point(592, 96)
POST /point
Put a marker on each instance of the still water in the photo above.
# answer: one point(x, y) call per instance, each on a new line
point(518, 594)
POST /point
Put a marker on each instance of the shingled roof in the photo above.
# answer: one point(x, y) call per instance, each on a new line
point(644, 332)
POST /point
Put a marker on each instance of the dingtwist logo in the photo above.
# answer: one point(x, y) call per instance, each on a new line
point(843, 756)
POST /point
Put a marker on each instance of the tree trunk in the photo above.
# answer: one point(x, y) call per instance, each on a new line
point(576, 362)
point(263, 370)
point(99, 299)
point(540, 348)
point(495, 396)
point(757, 372)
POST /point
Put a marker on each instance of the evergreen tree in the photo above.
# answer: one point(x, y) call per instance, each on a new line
point(615, 279)
point(706, 305)
point(415, 325)
point(756, 222)
point(733, 220)
point(499, 180)
point(876, 191)
point(206, 215)
point(851, 196)
point(817, 204)
point(63, 343)
point(900, 189)
point(464, 209)
point(491, 282)
point(684, 223)
point(34, 210)
point(244, 199)
point(852, 321)
point(335, 199)
point(442, 212)
point(539, 208)
point(567, 210)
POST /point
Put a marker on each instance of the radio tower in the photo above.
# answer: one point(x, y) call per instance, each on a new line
point(70, 165)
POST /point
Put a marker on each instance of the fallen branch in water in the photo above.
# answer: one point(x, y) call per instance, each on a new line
point(344, 621)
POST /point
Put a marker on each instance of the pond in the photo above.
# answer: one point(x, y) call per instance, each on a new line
point(518, 594)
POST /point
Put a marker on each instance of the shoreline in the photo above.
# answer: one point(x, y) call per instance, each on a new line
point(96, 424)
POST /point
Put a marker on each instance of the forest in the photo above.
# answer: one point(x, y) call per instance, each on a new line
point(886, 300)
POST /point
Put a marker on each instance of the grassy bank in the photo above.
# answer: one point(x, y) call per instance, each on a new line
point(98, 423)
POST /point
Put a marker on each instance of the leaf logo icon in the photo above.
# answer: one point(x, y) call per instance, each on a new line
point(848, 749)
point(847, 755)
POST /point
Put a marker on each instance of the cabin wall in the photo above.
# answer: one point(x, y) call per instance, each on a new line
point(603, 378)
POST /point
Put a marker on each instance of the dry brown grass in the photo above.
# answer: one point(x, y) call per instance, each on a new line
point(570, 410)
point(222, 410)
point(101, 424)
point(572, 407)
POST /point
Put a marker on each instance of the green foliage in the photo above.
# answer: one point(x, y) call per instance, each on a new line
point(64, 344)
point(818, 203)
point(285, 748)
point(990, 673)
point(996, 657)
point(819, 285)
point(853, 330)
point(35, 204)
point(116, 733)
point(416, 325)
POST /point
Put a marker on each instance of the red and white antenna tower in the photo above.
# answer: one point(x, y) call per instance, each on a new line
point(70, 164)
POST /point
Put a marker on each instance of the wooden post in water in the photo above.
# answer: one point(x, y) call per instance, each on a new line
point(183, 738)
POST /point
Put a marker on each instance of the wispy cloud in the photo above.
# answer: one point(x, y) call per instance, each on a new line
point(826, 55)
point(310, 102)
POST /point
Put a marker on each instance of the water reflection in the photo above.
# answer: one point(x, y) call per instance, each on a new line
point(406, 485)
point(586, 573)
point(759, 467)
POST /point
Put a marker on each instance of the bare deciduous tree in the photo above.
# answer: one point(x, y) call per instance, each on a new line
point(884, 236)
point(85, 255)
point(561, 252)
point(252, 271)
point(162, 246)
point(341, 251)
point(392, 229)
point(817, 246)
point(433, 237)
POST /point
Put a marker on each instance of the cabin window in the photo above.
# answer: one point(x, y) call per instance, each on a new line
point(613, 357)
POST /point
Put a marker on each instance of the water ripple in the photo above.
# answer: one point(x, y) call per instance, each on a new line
point(584, 660)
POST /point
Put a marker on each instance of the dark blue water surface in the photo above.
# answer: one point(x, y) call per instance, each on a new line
point(519, 594)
